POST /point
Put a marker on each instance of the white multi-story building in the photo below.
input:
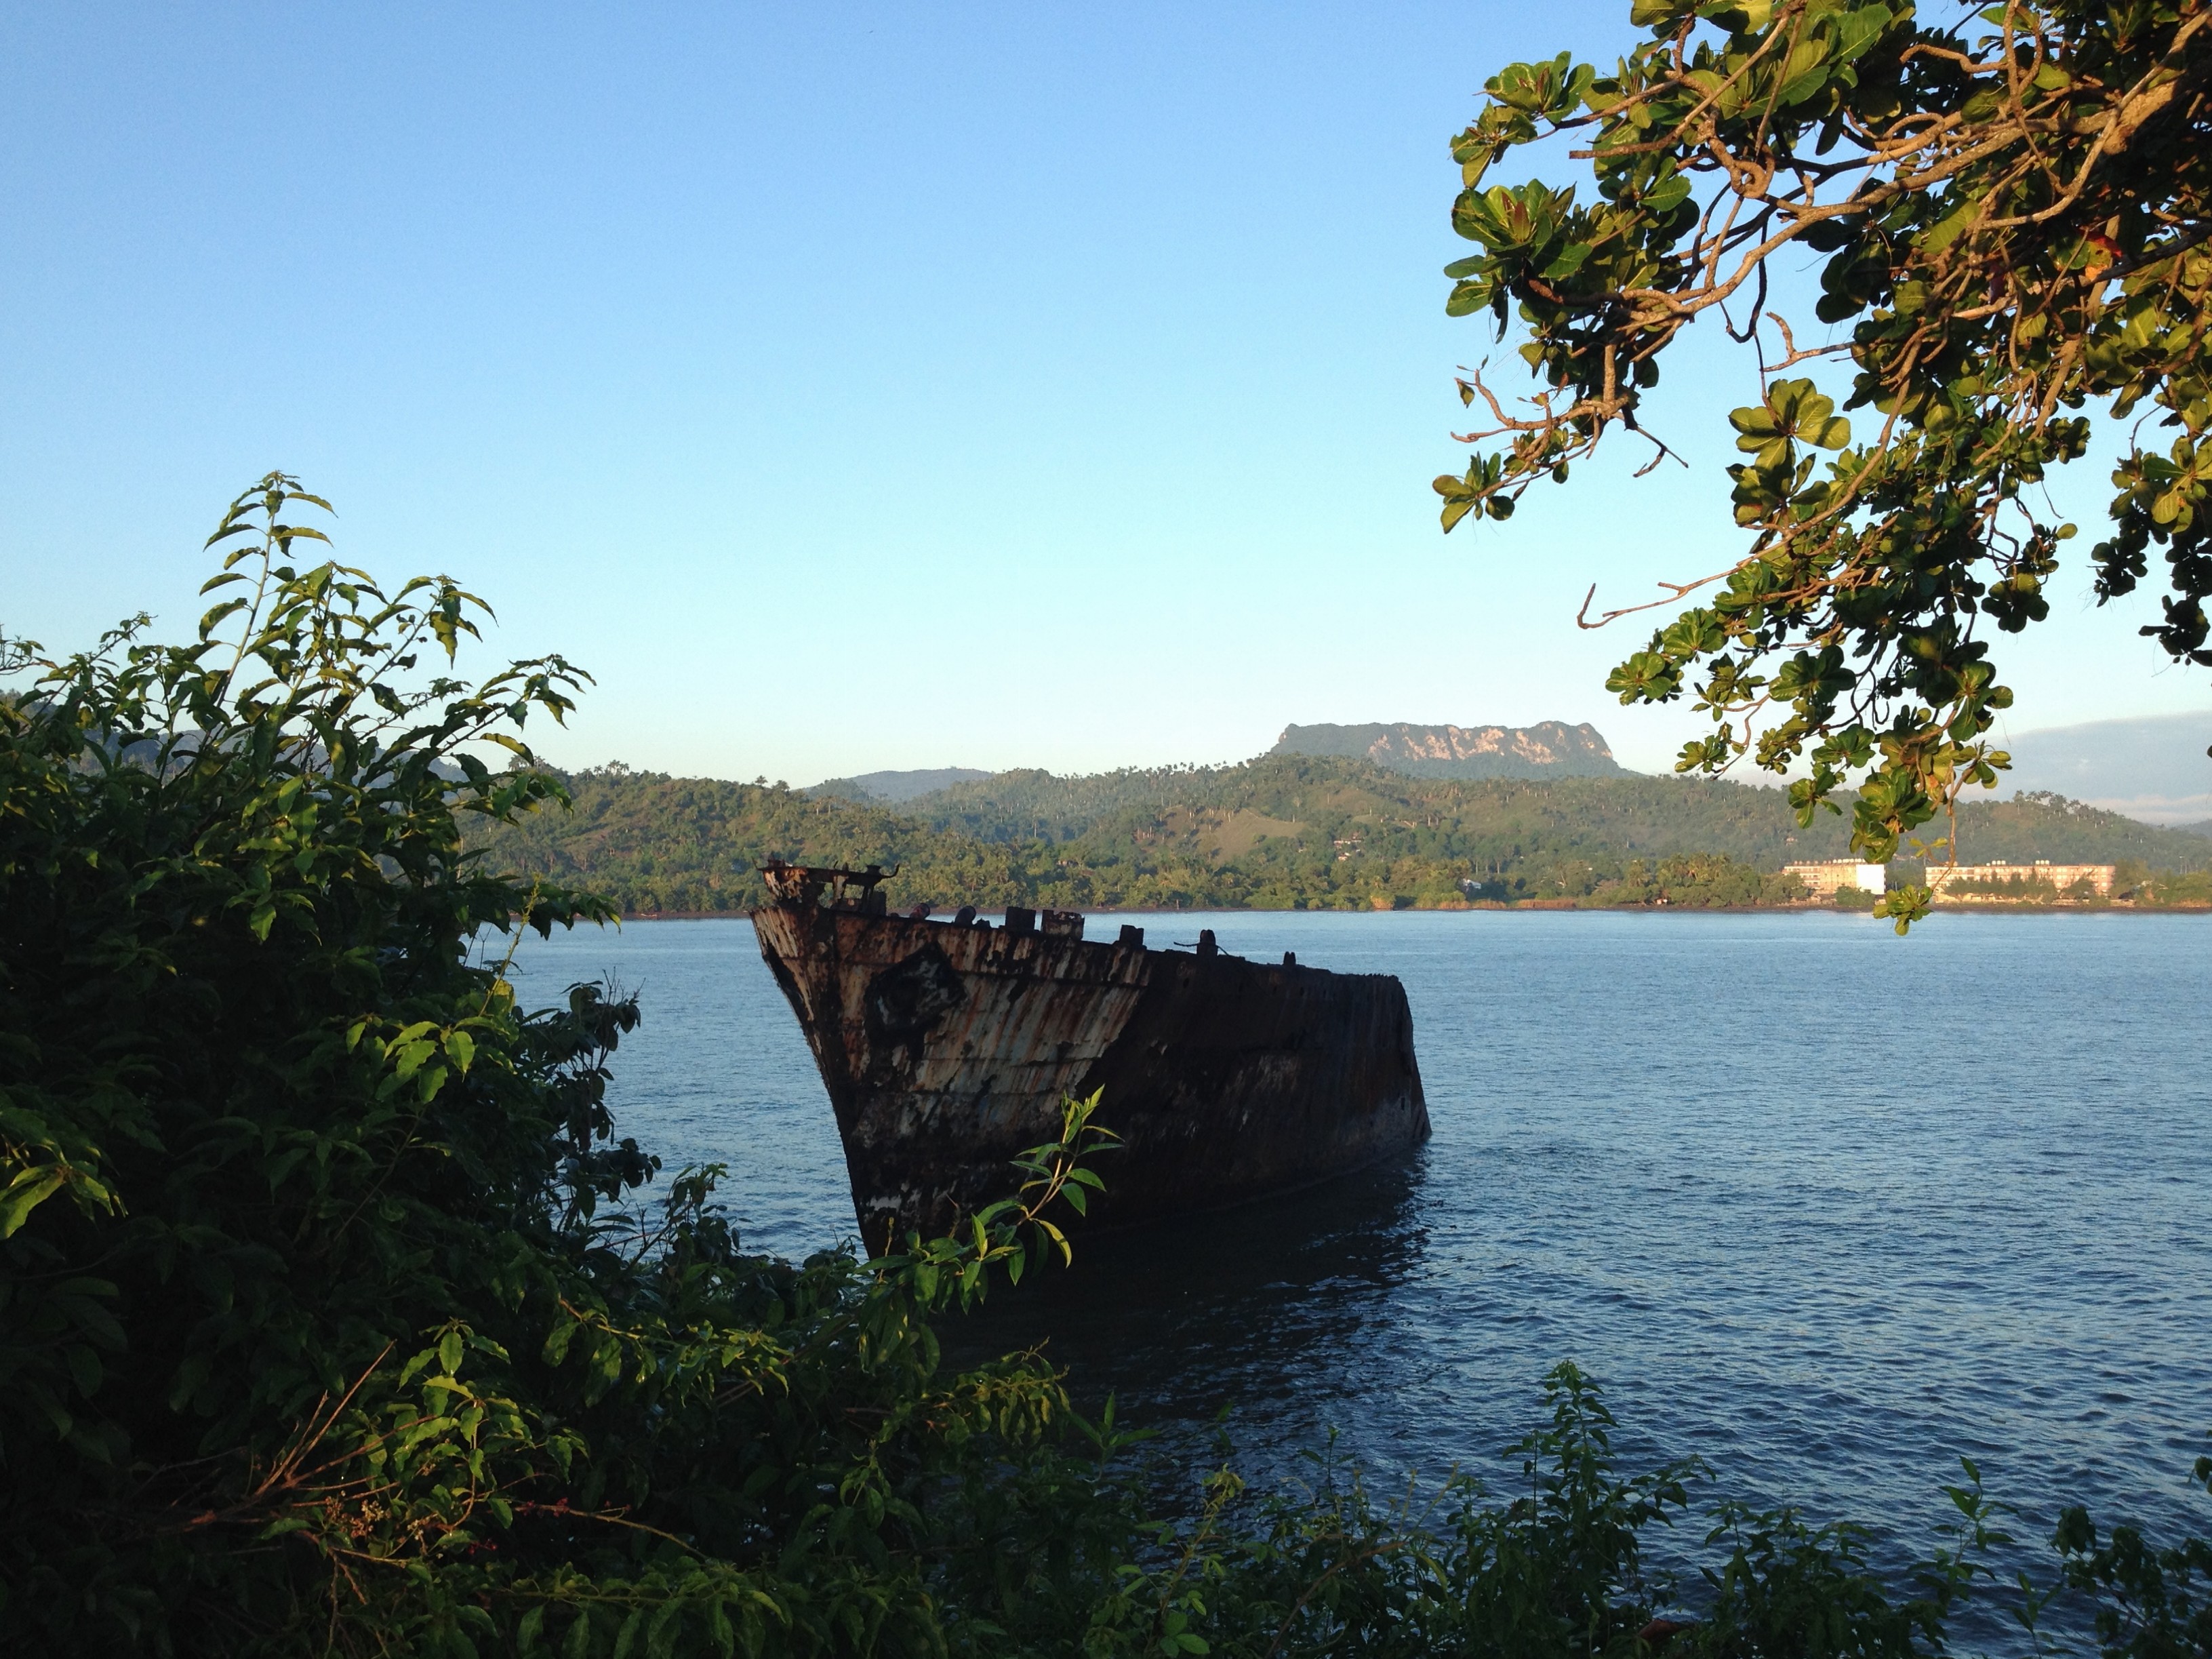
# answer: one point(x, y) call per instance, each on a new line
point(1943, 878)
point(1824, 880)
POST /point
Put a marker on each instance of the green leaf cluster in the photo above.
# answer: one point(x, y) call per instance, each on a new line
point(332, 1316)
point(2004, 209)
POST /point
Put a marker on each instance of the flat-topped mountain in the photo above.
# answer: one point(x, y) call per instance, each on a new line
point(1549, 749)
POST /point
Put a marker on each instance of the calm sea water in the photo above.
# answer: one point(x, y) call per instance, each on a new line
point(1829, 1207)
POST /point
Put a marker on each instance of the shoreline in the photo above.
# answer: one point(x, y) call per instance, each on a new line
point(1548, 907)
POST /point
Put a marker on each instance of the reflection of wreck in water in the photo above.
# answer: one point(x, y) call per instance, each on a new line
point(947, 1048)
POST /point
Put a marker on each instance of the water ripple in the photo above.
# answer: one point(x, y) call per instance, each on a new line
point(1827, 1207)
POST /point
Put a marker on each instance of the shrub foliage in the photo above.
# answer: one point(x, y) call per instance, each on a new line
point(319, 1330)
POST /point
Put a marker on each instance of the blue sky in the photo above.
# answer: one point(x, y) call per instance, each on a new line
point(846, 386)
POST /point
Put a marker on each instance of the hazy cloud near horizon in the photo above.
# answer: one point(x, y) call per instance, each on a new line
point(2155, 768)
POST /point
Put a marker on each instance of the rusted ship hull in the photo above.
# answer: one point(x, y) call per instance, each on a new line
point(947, 1050)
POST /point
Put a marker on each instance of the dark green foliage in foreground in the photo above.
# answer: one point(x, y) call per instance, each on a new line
point(1280, 832)
point(314, 1332)
point(321, 1331)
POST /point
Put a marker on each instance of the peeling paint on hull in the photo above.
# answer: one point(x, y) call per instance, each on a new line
point(947, 1051)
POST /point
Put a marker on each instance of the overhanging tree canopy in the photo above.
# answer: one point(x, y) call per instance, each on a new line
point(2006, 206)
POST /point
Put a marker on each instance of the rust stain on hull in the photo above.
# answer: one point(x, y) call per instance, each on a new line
point(946, 1050)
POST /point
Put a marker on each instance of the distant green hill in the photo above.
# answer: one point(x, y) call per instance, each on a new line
point(656, 843)
point(1281, 831)
point(888, 788)
point(1323, 804)
point(2040, 825)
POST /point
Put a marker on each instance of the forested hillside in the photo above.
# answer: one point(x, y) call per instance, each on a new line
point(1279, 832)
point(888, 788)
point(2042, 825)
point(653, 843)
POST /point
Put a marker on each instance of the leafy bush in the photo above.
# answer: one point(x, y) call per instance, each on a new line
point(319, 1332)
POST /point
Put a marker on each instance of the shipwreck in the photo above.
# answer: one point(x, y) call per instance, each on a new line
point(948, 1046)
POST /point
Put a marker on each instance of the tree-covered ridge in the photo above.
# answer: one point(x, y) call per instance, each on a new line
point(888, 788)
point(1277, 832)
point(1342, 799)
point(2040, 825)
point(655, 842)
